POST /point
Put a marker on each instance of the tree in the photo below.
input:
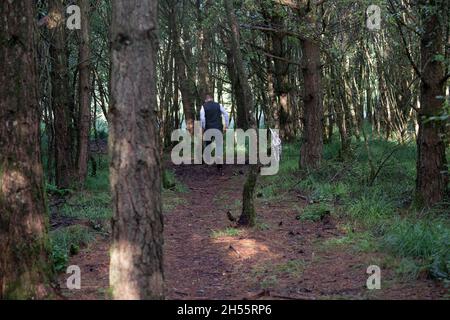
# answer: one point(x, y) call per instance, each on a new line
point(136, 269)
point(205, 83)
point(312, 146)
point(24, 266)
point(60, 94)
point(279, 67)
point(248, 215)
point(181, 70)
point(84, 93)
point(431, 181)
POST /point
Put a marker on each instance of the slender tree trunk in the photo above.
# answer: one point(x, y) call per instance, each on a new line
point(205, 83)
point(248, 215)
point(84, 93)
point(340, 112)
point(282, 86)
point(312, 146)
point(431, 181)
point(25, 271)
point(136, 269)
point(181, 71)
point(60, 95)
point(274, 114)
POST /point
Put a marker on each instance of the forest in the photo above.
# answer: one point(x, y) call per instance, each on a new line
point(349, 101)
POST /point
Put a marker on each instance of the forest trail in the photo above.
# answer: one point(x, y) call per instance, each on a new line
point(207, 257)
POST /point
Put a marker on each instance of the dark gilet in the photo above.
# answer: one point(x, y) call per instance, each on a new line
point(213, 116)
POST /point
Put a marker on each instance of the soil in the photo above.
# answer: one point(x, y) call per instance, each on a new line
point(281, 258)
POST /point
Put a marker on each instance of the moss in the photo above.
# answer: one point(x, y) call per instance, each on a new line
point(248, 217)
point(30, 283)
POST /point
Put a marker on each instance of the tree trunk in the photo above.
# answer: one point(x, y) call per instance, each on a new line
point(85, 94)
point(282, 86)
point(205, 83)
point(312, 146)
point(248, 215)
point(431, 181)
point(60, 95)
point(185, 86)
point(24, 268)
point(136, 269)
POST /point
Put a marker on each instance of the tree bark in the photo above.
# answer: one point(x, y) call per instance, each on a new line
point(431, 180)
point(248, 215)
point(84, 93)
point(25, 270)
point(205, 83)
point(181, 71)
point(60, 95)
point(312, 146)
point(136, 269)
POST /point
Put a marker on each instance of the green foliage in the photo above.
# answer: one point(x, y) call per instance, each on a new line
point(52, 189)
point(357, 241)
point(270, 186)
point(90, 206)
point(66, 242)
point(93, 203)
point(261, 226)
point(171, 199)
point(267, 273)
point(408, 269)
point(172, 183)
point(228, 232)
point(315, 212)
point(371, 208)
point(381, 212)
point(426, 239)
point(99, 183)
point(292, 267)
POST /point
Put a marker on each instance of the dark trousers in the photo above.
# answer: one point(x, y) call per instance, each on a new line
point(218, 147)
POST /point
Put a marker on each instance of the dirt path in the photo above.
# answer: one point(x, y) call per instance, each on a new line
point(206, 257)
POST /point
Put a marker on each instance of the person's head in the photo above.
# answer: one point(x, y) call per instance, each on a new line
point(208, 98)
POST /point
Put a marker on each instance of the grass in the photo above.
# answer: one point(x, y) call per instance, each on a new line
point(267, 274)
point(427, 239)
point(93, 204)
point(381, 213)
point(357, 241)
point(170, 182)
point(172, 189)
point(66, 242)
point(228, 232)
point(270, 186)
point(292, 267)
point(315, 212)
point(222, 200)
point(88, 205)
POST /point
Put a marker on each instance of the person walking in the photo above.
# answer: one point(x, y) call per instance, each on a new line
point(211, 118)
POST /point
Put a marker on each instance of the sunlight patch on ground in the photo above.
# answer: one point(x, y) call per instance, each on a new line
point(245, 248)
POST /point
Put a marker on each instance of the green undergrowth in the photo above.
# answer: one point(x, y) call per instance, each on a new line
point(377, 213)
point(92, 207)
point(268, 274)
point(66, 242)
point(172, 192)
point(228, 232)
